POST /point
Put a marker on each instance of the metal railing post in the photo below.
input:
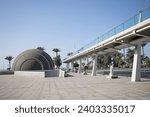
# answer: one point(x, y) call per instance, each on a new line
point(140, 17)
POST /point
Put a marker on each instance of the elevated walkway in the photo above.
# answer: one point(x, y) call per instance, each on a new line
point(133, 32)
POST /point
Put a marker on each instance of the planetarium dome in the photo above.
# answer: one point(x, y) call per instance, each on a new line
point(33, 59)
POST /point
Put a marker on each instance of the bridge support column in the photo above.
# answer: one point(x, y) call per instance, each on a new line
point(79, 69)
point(94, 65)
point(67, 66)
point(72, 67)
point(136, 69)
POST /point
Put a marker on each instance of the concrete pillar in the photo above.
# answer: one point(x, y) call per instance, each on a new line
point(67, 66)
point(87, 61)
point(79, 69)
point(94, 65)
point(72, 67)
point(136, 69)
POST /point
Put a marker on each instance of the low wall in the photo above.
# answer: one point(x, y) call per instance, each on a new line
point(6, 72)
point(145, 73)
point(30, 73)
point(47, 73)
point(52, 73)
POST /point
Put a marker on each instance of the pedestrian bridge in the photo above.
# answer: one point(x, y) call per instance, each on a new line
point(133, 32)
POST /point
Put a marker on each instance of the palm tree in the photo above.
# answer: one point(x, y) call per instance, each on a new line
point(56, 50)
point(9, 58)
point(130, 56)
point(107, 60)
point(76, 65)
point(100, 61)
point(57, 61)
point(118, 60)
point(147, 61)
point(41, 48)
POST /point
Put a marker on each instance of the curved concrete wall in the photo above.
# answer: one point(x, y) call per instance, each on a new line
point(33, 59)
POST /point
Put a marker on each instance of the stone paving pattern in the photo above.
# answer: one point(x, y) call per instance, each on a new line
point(76, 87)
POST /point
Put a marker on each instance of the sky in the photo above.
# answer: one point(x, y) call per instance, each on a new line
point(64, 24)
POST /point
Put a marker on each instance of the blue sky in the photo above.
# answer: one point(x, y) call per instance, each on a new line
point(64, 24)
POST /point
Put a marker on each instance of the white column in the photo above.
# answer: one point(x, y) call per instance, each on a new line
point(79, 69)
point(94, 65)
point(87, 61)
point(136, 69)
point(67, 66)
point(72, 68)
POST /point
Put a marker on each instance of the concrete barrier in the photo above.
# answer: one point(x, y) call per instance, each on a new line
point(30, 73)
point(6, 72)
point(46, 73)
point(62, 73)
point(52, 73)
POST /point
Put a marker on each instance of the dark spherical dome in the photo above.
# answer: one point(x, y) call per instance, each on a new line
point(33, 59)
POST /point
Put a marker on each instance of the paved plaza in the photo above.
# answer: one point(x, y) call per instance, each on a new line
point(75, 87)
